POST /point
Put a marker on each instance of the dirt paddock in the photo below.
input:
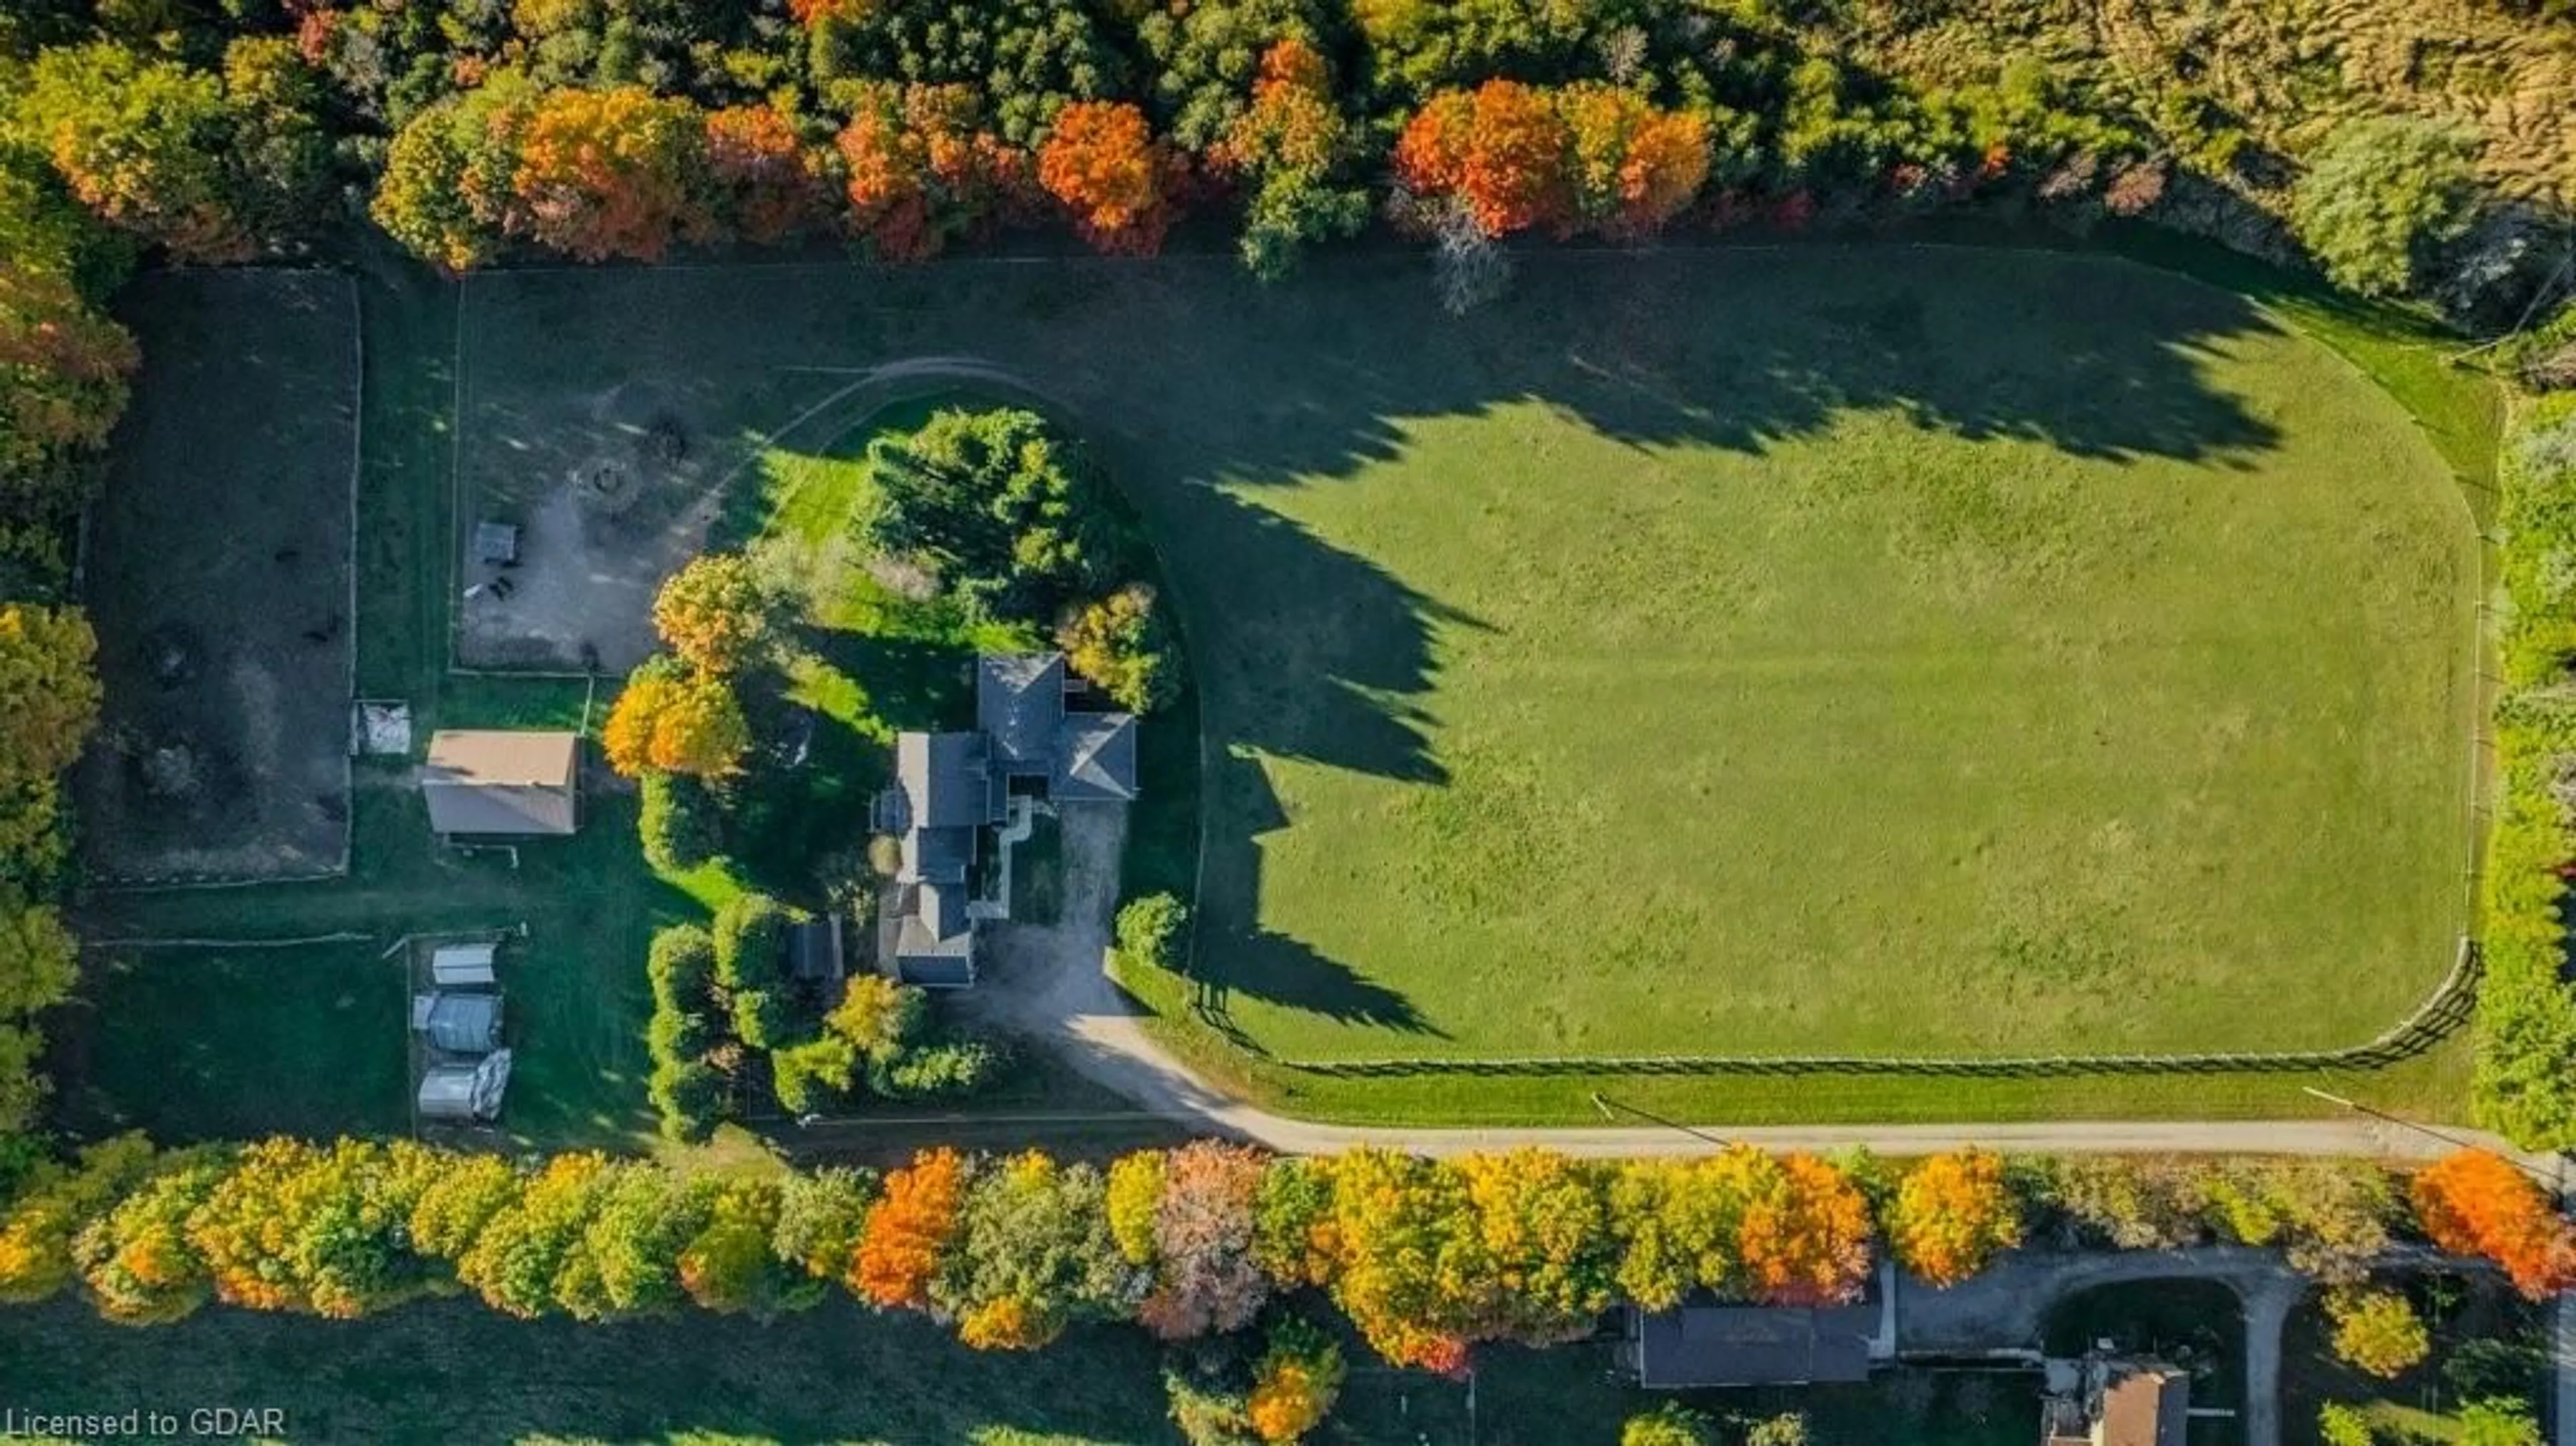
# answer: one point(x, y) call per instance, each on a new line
point(219, 578)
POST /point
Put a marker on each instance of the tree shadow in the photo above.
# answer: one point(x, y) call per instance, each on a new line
point(1328, 649)
point(2089, 354)
point(905, 682)
point(400, 1376)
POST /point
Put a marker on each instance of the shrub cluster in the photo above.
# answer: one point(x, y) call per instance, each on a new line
point(2525, 1084)
point(721, 1006)
point(63, 370)
point(1147, 929)
point(1019, 527)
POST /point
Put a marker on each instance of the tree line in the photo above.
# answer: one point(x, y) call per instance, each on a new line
point(596, 129)
point(64, 365)
point(2526, 1011)
point(1425, 1258)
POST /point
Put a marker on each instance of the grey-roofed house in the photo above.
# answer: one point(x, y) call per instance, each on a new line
point(1704, 1344)
point(951, 787)
point(1019, 702)
point(934, 939)
point(491, 782)
point(1095, 759)
point(458, 1023)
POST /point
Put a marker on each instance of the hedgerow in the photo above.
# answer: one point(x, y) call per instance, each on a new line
point(2525, 1084)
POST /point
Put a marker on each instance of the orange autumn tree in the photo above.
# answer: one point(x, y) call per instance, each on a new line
point(1584, 157)
point(762, 172)
point(714, 613)
point(1295, 150)
point(816, 12)
point(1952, 1213)
point(907, 1228)
point(1805, 1235)
point(611, 173)
point(922, 171)
point(1102, 162)
point(1501, 150)
point(2477, 1203)
point(1295, 1382)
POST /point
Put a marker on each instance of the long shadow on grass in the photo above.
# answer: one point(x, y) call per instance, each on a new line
point(1233, 957)
point(455, 1372)
point(1325, 660)
point(1291, 384)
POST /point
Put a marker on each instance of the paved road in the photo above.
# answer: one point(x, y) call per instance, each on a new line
point(1051, 984)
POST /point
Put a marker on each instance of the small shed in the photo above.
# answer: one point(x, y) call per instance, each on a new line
point(454, 966)
point(465, 1091)
point(458, 1023)
point(496, 544)
point(495, 782)
point(814, 950)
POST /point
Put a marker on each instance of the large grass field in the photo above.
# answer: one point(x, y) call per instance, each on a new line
point(1841, 650)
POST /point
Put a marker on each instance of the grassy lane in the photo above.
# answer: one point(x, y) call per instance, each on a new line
point(458, 1375)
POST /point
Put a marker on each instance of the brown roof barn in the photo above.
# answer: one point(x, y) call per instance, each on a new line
point(491, 782)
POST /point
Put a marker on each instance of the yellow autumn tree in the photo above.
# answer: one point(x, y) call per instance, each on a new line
point(677, 722)
point(1953, 1213)
point(713, 613)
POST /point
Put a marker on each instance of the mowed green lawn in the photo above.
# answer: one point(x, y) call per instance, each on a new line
point(1878, 739)
point(1847, 650)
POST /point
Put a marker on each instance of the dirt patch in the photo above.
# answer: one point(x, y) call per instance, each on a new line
point(614, 485)
point(218, 575)
point(611, 491)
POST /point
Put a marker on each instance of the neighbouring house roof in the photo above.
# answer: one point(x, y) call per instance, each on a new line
point(493, 782)
point(1693, 1346)
point(2148, 1406)
point(458, 1023)
point(1019, 700)
point(1095, 758)
point(814, 948)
